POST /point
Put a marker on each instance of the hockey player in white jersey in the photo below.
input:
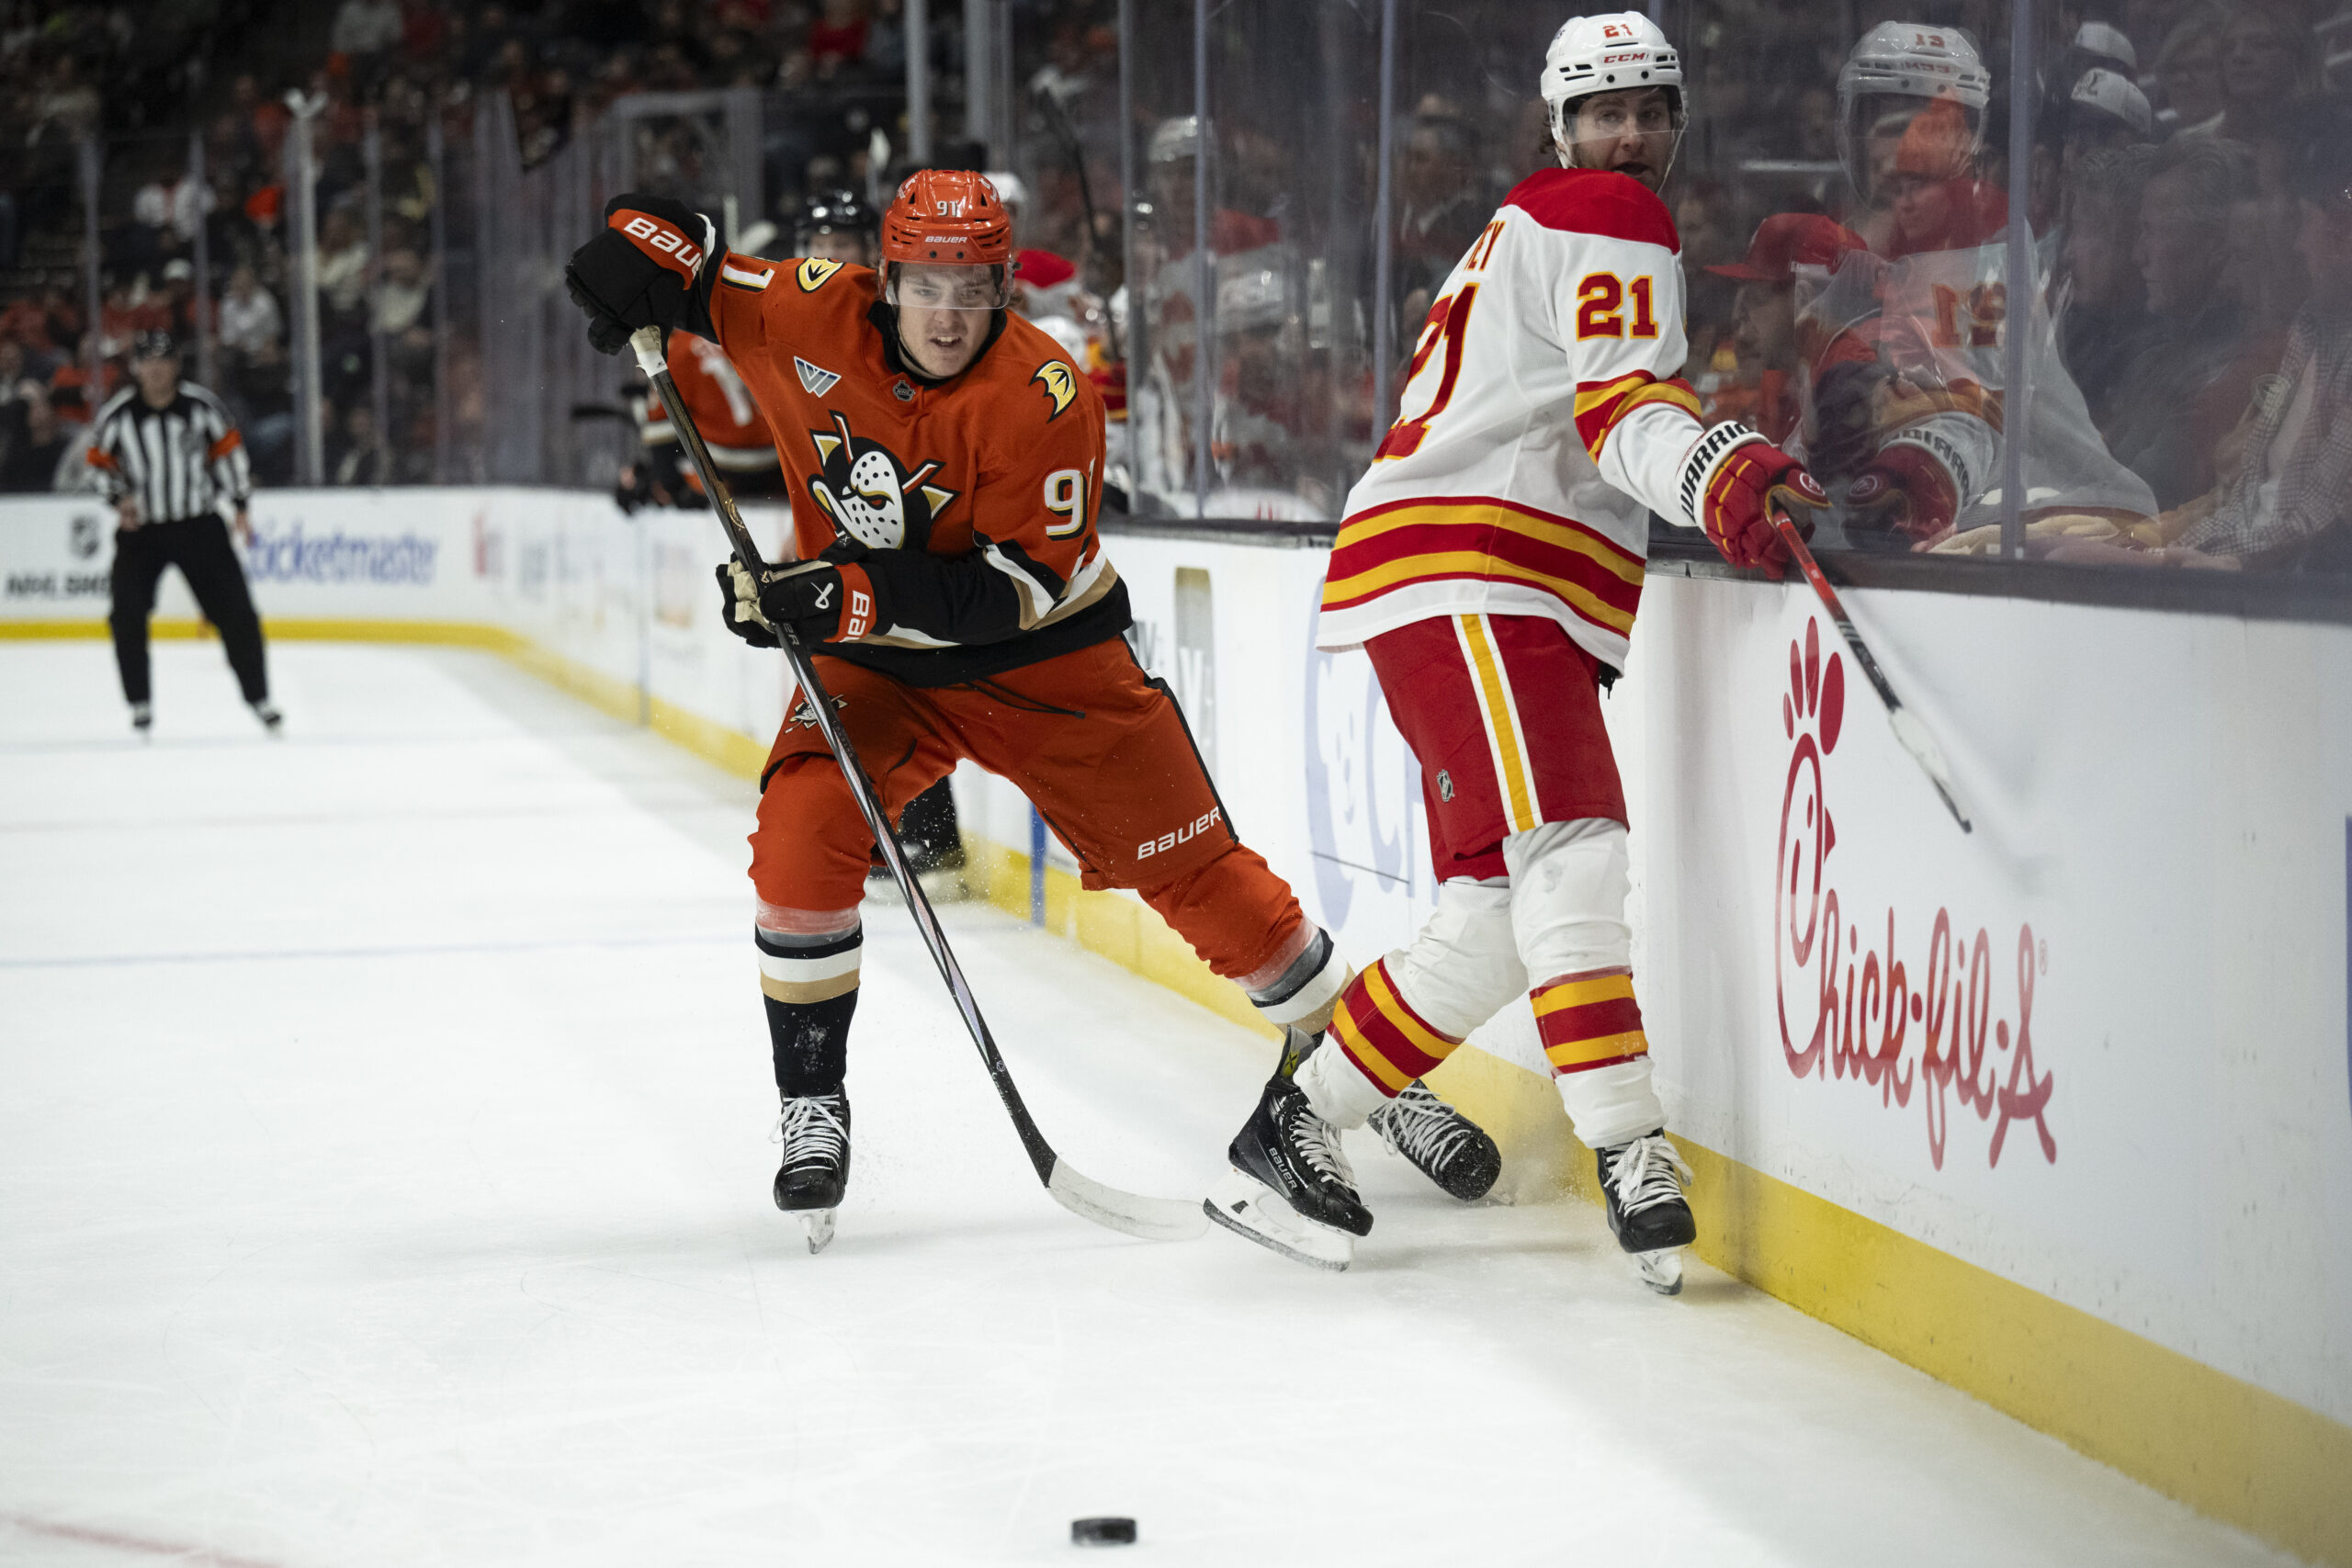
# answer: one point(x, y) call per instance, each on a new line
point(1906, 342)
point(1490, 564)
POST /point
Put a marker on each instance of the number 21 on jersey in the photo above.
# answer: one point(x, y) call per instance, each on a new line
point(1448, 322)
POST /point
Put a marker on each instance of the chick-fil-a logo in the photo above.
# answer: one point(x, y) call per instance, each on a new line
point(1857, 1009)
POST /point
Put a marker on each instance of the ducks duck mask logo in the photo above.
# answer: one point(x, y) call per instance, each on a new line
point(871, 496)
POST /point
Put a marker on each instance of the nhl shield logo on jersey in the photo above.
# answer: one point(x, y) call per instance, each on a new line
point(871, 495)
point(1061, 386)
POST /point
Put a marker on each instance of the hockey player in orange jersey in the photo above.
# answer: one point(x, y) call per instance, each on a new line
point(944, 462)
point(1491, 564)
point(731, 423)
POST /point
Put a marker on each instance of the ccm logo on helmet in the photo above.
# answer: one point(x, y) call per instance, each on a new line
point(1184, 835)
point(663, 241)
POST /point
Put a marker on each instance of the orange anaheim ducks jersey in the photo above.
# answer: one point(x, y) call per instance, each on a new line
point(1543, 418)
point(724, 412)
point(976, 496)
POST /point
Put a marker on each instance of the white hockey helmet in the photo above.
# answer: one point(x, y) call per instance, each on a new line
point(1614, 53)
point(1906, 60)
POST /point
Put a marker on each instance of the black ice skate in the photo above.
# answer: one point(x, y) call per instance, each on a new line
point(815, 1163)
point(1651, 1219)
point(142, 719)
point(271, 719)
point(1290, 1187)
point(1443, 1145)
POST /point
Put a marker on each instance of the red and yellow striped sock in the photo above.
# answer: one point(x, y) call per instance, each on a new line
point(1391, 1042)
point(1590, 1021)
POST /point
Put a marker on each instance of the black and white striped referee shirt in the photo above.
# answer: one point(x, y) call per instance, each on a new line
point(177, 460)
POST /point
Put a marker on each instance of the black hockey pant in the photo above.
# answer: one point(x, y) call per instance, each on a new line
point(200, 547)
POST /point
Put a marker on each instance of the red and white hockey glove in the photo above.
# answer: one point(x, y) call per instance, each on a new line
point(1732, 483)
point(1907, 492)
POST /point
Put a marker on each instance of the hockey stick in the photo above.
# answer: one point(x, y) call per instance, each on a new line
point(1907, 727)
point(1154, 1218)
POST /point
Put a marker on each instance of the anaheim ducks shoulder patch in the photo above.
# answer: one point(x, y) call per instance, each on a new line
point(813, 271)
point(1061, 386)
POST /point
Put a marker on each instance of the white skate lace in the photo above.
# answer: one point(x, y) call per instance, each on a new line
point(1421, 1127)
point(1319, 1142)
point(1648, 1172)
point(812, 1131)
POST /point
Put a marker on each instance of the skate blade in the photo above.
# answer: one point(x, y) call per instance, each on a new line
point(1248, 1207)
point(819, 1224)
point(1660, 1270)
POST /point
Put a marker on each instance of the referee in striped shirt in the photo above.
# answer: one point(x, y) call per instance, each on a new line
point(165, 454)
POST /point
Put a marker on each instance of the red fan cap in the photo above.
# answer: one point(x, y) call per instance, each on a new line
point(949, 216)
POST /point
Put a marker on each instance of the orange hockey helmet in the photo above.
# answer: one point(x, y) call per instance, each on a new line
point(949, 216)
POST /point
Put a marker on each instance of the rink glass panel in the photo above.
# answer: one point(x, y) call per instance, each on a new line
point(1261, 337)
point(2174, 406)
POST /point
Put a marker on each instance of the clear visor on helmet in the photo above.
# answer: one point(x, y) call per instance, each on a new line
point(929, 285)
point(1884, 137)
point(1600, 130)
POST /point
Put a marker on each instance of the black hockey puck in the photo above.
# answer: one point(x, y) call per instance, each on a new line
point(1103, 1532)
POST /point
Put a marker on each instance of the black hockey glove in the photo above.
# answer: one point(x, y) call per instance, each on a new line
point(827, 600)
point(650, 266)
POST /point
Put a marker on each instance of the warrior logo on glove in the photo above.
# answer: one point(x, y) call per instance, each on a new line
point(870, 495)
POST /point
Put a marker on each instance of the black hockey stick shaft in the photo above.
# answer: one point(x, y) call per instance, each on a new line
point(1144, 1217)
point(1908, 730)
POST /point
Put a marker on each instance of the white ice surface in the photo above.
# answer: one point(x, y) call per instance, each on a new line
point(383, 1180)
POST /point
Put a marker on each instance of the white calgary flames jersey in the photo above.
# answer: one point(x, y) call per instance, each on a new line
point(1542, 420)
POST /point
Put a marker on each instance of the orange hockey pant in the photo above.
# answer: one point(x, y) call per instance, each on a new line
point(1101, 751)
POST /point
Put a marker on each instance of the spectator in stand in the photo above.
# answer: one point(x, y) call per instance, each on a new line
point(173, 206)
point(1442, 207)
point(2105, 44)
point(252, 329)
point(365, 29)
point(2105, 110)
point(358, 455)
point(402, 296)
point(178, 311)
point(1770, 392)
point(2287, 499)
point(2267, 62)
point(2101, 300)
point(2189, 71)
point(38, 452)
point(837, 38)
point(343, 268)
point(2182, 392)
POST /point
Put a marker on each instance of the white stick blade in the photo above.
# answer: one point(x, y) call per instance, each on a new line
point(1923, 747)
point(1153, 1219)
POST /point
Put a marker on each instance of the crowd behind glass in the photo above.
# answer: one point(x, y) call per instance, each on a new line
point(2187, 198)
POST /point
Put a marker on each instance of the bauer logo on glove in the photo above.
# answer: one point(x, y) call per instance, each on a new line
point(820, 601)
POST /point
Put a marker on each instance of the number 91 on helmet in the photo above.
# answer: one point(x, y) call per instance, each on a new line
point(947, 243)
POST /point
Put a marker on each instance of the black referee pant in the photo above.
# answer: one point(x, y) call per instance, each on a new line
point(200, 547)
